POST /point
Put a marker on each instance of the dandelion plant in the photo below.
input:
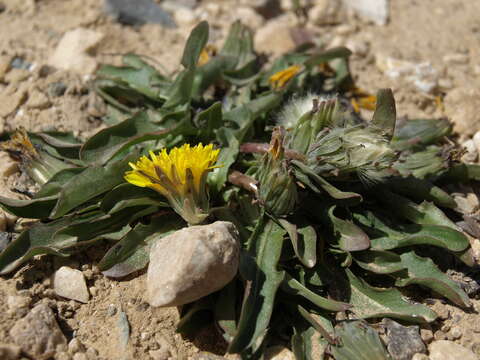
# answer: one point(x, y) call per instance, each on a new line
point(336, 213)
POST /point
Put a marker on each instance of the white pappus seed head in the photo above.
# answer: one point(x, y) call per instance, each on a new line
point(296, 107)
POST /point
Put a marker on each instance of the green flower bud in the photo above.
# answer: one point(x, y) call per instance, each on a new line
point(359, 150)
point(306, 117)
point(277, 190)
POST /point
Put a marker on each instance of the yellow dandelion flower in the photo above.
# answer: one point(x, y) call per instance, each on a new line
point(280, 78)
point(180, 175)
point(206, 54)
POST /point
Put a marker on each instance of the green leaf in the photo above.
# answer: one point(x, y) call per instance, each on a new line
point(379, 261)
point(462, 173)
point(385, 237)
point(425, 214)
point(370, 302)
point(90, 183)
point(422, 271)
point(55, 184)
point(77, 234)
point(328, 55)
point(136, 74)
point(38, 208)
point(421, 190)
point(60, 145)
point(208, 122)
point(421, 132)
point(127, 195)
point(225, 310)
point(263, 280)
point(385, 114)
point(195, 43)
point(259, 106)
point(436, 235)
point(131, 253)
point(304, 241)
point(358, 341)
point(108, 142)
point(180, 92)
point(31, 242)
point(307, 343)
point(319, 323)
point(292, 286)
point(351, 197)
point(227, 157)
point(238, 45)
point(350, 236)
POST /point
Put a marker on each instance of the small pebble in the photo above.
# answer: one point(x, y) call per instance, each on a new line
point(441, 310)
point(75, 346)
point(420, 356)
point(56, 89)
point(448, 350)
point(476, 348)
point(20, 63)
point(70, 283)
point(427, 335)
point(9, 352)
point(91, 353)
point(80, 356)
point(440, 335)
point(455, 333)
point(111, 310)
point(62, 355)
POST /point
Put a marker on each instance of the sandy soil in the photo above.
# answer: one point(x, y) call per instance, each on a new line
point(443, 33)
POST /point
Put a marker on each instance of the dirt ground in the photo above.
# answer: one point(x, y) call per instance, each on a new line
point(442, 34)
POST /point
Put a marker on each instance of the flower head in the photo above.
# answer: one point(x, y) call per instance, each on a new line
point(180, 175)
point(37, 163)
point(280, 78)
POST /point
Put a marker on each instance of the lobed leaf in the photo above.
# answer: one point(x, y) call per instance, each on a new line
point(422, 271)
point(370, 302)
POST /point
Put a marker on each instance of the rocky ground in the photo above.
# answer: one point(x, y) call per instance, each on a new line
point(426, 51)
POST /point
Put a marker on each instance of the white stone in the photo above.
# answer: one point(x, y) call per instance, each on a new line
point(184, 16)
point(476, 141)
point(324, 12)
point(472, 153)
point(71, 52)
point(249, 17)
point(448, 350)
point(192, 263)
point(274, 38)
point(70, 283)
point(17, 302)
point(358, 47)
point(375, 10)
point(38, 333)
point(422, 75)
point(461, 106)
point(37, 100)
